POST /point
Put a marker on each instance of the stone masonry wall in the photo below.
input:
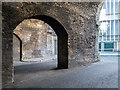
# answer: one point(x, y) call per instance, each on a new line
point(16, 48)
point(78, 18)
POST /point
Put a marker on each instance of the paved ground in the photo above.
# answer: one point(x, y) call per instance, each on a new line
point(103, 74)
point(109, 53)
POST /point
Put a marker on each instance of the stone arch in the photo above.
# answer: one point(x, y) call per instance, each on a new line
point(62, 39)
point(20, 45)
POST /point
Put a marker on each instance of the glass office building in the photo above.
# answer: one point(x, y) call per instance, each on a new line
point(109, 29)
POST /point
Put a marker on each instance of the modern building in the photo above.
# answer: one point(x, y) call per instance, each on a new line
point(109, 34)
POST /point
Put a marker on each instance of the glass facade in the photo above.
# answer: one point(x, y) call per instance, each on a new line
point(109, 33)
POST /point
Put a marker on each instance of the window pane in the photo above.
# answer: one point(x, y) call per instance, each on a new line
point(116, 16)
point(104, 38)
point(116, 27)
point(112, 6)
point(112, 27)
point(116, 6)
point(112, 16)
point(116, 38)
point(108, 28)
point(115, 46)
point(108, 7)
point(112, 37)
point(108, 38)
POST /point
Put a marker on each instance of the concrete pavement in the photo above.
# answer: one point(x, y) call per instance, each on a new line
point(103, 74)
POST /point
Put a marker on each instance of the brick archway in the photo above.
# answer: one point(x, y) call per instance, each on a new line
point(62, 39)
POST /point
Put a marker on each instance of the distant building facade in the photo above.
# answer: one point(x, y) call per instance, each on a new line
point(109, 34)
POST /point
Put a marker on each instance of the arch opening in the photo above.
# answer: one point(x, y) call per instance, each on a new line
point(40, 39)
point(62, 39)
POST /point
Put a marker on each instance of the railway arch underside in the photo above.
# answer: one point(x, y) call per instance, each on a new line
point(74, 24)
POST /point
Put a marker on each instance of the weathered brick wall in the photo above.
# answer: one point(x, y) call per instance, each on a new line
point(79, 20)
